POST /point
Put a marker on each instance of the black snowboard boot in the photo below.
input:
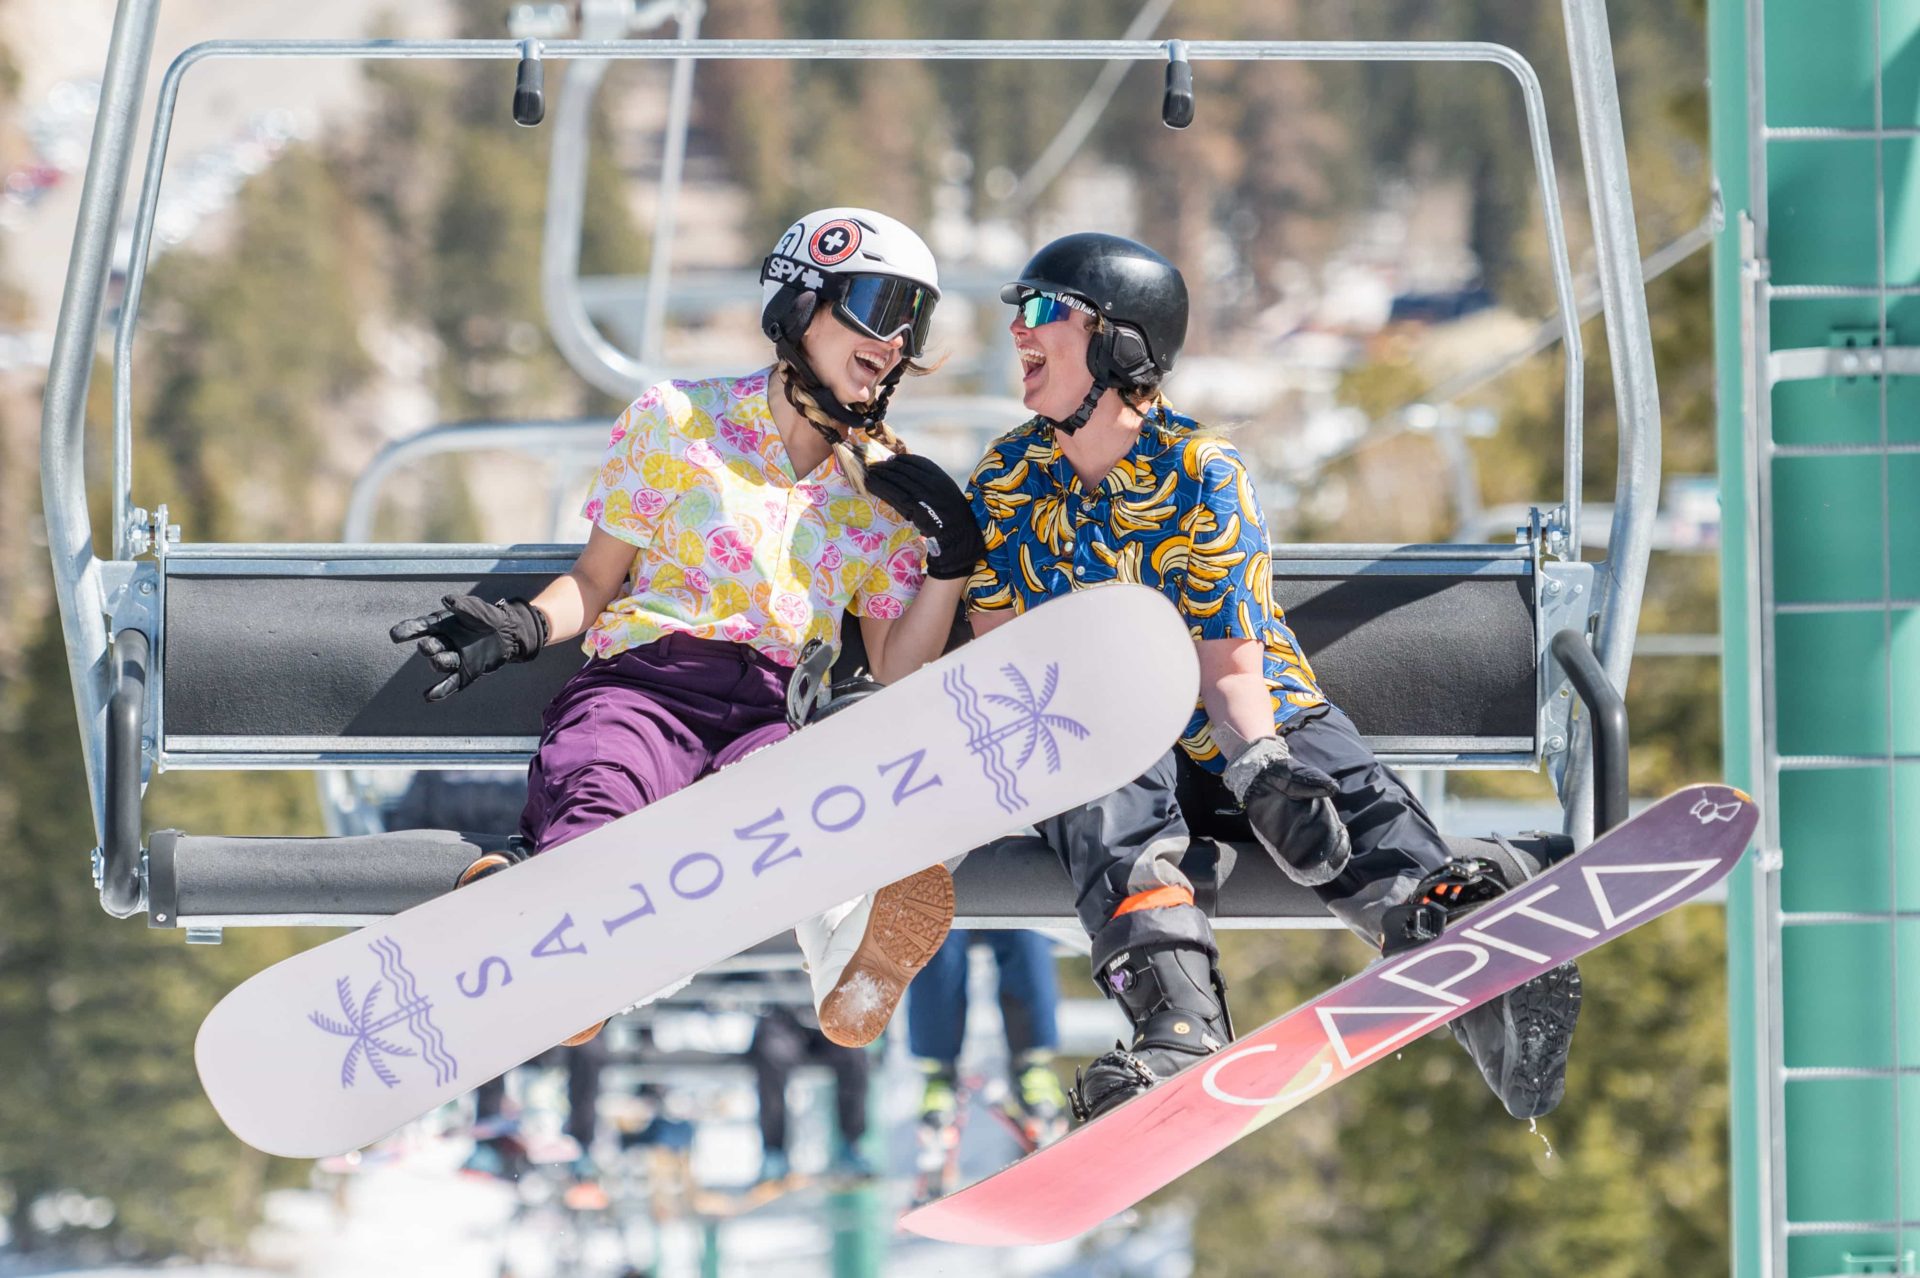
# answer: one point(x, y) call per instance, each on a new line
point(1520, 1040)
point(1177, 1004)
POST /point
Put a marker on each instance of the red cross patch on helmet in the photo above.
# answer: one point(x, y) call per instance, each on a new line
point(834, 242)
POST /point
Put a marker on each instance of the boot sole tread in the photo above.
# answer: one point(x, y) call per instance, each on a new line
point(908, 923)
point(1543, 1011)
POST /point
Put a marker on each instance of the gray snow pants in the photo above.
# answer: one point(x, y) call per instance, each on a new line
point(1132, 841)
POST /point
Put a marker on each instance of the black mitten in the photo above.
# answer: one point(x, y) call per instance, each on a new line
point(1289, 804)
point(927, 497)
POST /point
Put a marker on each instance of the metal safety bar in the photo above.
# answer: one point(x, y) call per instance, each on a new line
point(120, 874)
point(1607, 711)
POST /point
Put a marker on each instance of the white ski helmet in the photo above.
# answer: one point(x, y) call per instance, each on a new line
point(877, 274)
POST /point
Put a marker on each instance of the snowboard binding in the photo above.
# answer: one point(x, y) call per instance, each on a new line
point(1177, 1003)
point(812, 692)
point(1520, 1040)
point(1455, 888)
point(1460, 886)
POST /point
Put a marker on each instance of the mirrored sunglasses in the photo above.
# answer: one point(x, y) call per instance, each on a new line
point(1037, 309)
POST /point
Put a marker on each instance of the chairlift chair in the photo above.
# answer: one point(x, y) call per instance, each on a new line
point(1447, 656)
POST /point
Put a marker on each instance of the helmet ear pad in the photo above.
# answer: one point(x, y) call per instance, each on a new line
point(788, 316)
point(1130, 357)
point(1118, 354)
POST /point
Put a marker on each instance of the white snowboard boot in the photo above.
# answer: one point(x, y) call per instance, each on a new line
point(862, 954)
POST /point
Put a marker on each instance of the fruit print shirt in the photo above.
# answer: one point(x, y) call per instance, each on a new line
point(1177, 513)
point(728, 542)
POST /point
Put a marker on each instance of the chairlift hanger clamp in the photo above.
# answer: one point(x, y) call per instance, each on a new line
point(1176, 106)
point(529, 86)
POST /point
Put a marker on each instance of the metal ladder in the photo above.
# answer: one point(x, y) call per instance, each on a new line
point(1862, 355)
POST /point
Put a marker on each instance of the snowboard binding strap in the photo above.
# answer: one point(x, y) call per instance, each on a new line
point(1136, 1076)
point(813, 694)
point(1461, 885)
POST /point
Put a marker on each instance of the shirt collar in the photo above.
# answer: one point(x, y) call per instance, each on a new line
point(831, 476)
point(1160, 429)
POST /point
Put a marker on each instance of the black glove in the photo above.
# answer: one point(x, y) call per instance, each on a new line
point(926, 495)
point(1289, 804)
point(471, 637)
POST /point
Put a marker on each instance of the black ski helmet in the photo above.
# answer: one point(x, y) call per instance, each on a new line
point(1139, 294)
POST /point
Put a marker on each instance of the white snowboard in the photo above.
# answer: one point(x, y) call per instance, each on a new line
point(334, 1048)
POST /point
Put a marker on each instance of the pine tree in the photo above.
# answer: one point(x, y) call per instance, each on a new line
point(100, 1097)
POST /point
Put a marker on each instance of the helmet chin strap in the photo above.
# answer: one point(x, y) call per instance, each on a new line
point(1100, 364)
point(852, 418)
point(1080, 415)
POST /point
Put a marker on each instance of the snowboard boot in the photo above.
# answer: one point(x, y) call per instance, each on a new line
point(862, 955)
point(939, 1095)
point(499, 1150)
point(584, 1190)
point(1520, 1040)
point(1039, 1103)
point(936, 1142)
point(1177, 1004)
point(492, 863)
point(850, 1167)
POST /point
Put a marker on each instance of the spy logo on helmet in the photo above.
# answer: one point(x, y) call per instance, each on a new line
point(834, 242)
point(790, 270)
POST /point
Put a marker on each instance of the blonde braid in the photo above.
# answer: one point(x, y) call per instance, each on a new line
point(883, 435)
point(852, 465)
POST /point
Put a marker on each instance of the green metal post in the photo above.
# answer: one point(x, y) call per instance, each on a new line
point(1726, 66)
point(1816, 126)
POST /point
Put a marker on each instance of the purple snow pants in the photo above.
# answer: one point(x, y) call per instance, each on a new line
point(634, 727)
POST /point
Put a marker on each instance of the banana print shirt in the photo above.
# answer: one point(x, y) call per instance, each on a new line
point(728, 542)
point(1177, 513)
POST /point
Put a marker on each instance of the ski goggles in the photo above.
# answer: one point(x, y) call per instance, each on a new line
point(1038, 308)
point(885, 307)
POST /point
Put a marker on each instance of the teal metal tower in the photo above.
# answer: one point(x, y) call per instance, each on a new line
point(1816, 125)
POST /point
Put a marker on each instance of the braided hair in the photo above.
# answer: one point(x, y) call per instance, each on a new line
point(853, 463)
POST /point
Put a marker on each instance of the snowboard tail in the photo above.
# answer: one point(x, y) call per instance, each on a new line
point(1668, 854)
